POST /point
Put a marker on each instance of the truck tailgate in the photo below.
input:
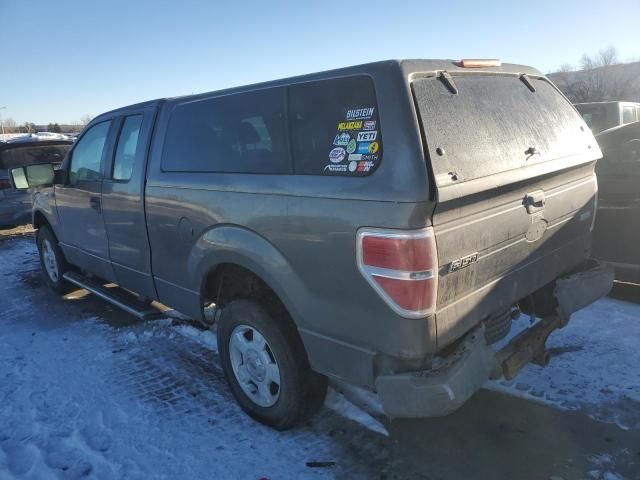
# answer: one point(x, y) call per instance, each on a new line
point(513, 171)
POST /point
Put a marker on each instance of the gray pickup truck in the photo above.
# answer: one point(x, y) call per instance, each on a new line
point(381, 224)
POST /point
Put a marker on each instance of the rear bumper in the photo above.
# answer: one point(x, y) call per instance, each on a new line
point(456, 377)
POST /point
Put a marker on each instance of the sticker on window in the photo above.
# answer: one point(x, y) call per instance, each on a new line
point(356, 148)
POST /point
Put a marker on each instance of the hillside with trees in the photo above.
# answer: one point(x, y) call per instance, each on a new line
point(599, 78)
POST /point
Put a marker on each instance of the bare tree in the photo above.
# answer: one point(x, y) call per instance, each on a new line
point(598, 79)
point(9, 125)
point(85, 119)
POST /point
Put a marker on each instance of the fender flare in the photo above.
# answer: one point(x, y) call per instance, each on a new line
point(233, 244)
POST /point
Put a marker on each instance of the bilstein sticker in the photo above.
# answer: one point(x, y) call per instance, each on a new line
point(342, 139)
point(337, 155)
point(350, 125)
point(357, 113)
point(367, 136)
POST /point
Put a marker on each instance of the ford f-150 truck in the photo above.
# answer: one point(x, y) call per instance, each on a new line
point(381, 224)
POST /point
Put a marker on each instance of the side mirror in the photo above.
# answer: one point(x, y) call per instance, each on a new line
point(33, 176)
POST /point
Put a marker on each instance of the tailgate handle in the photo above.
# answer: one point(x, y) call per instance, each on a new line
point(535, 201)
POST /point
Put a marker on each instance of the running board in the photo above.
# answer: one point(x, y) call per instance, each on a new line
point(116, 296)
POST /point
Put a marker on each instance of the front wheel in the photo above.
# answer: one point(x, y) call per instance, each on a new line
point(266, 367)
point(52, 261)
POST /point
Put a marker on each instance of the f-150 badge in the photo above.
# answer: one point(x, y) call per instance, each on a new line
point(463, 262)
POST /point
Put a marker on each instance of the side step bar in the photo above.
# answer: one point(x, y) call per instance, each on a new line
point(115, 296)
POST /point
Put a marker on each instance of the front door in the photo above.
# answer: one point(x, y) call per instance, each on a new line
point(123, 203)
point(79, 203)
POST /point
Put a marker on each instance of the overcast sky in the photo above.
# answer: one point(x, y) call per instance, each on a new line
point(60, 60)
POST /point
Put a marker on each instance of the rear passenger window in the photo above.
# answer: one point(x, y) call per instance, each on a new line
point(127, 148)
point(334, 127)
point(241, 133)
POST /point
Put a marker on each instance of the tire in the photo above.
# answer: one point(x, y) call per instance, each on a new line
point(52, 260)
point(300, 391)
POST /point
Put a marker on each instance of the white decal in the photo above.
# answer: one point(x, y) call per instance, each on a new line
point(369, 125)
point(335, 168)
point(353, 166)
point(359, 113)
point(355, 157)
point(337, 155)
point(367, 136)
point(342, 139)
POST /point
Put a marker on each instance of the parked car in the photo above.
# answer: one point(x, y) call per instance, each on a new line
point(601, 116)
point(380, 224)
point(617, 231)
point(15, 205)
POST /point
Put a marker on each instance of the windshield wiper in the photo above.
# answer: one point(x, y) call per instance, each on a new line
point(524, 78)
point(447, 79)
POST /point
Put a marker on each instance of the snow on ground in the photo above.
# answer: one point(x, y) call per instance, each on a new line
point(22, 137)
point(82, 399)
point(86, 392)
point(595, 368)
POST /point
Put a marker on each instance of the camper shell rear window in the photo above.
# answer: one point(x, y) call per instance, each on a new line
point(495, 123)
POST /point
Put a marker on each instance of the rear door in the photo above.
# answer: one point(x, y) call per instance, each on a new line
point(512, 165)
point(79, 203)
point(123, 202)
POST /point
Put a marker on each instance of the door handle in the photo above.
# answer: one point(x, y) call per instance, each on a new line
point(535, 201)
point(94, 202)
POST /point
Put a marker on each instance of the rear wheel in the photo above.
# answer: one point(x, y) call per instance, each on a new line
point(52, 261)
point(266, 367)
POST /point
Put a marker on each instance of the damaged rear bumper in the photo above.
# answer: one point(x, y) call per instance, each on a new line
point(456, 377)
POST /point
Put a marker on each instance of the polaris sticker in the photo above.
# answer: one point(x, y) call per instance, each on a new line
point(337, 155)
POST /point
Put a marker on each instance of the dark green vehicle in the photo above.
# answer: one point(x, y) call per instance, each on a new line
point(380, 224)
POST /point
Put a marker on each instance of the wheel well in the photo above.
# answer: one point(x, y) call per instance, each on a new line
point(39, 220)
point(229, 281)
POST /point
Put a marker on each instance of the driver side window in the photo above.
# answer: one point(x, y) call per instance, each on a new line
point(86, 159)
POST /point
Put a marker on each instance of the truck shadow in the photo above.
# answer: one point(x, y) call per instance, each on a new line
point(629, 292)
point(498, 436)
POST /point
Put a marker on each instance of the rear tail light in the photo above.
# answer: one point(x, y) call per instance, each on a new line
point(402, 267)
point(5, 184)
point(479, 62)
